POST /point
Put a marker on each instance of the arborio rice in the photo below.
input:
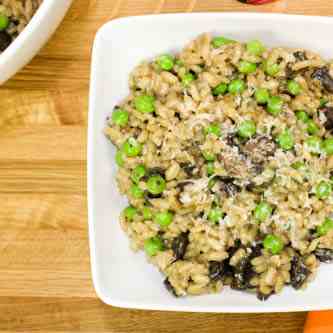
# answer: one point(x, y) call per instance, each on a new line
point(14, 16)
point(226, 157)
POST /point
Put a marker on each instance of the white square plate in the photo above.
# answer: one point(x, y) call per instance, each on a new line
point(125, 279)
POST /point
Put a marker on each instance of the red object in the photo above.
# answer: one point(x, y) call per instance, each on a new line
point(319, 322)
point(256, 2)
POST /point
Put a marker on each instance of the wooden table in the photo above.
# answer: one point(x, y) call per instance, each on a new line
point(45, 281)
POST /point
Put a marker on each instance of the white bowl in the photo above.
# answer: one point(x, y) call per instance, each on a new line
point(33, 37)
point(121, 277)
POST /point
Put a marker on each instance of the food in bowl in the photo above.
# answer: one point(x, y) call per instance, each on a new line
point(14, 16)
point(225, 153)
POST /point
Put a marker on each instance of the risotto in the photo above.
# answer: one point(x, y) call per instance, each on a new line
point(14, 16)
point(225, 153)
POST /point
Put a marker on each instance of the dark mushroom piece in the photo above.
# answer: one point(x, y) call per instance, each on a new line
point(328, 111)
point(181, 185)
point(179, 245)
point(188, 168)
point(154, 172)
point(259, 149)
point(324, 255)
point(258, 168)
point(170, 287)
point(298, 272)
point(289, 72)
point(243, 271)
point(322, 74)
point(219, 269)
point(148, 196)
point(230, 188)
point(5, 40)
point(232, 139)
point(300, 55)
point(226, 185)
point(177, 115)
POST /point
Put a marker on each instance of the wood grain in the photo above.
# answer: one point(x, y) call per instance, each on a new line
point(45, 281)
point(88, 315)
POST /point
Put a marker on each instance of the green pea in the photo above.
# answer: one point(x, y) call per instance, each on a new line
point(294, 87)
point(129, 212)
point(144, 103)
point(263, 211)
point(312, 127)
point(120, 117)
point(153, 245)
point(236, 86)
point(323, 229)
point(220, 89)
point(275, 104)
point(247, 67)
point(261, 95)
point(302, 116)
point(156, 184)
point(323, 190)
point(208, 156)
point(4, 22)
point(273, 243)
point(163, 218)
point(255, 47)
point(313, 144)
point(147, 213)
point(132, 147)
point(120, 158)
point(328, 146)
point(213, 129)
point(210, 168)
point(247, 129)
point(271, 69)
point(136, 191)
point(166, 62)
point(138, 172)
point(286, 140)
point(220, 41)
point(215, 215)
point(187, 79)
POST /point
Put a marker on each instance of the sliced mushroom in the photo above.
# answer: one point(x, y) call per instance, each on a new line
point(179, 245)
point(5, 40)
point(243, 272)
point(236, 164)
point(298, 272)
point(226, 185)
point(170, 287)
point(324, 255)
point(155, 171)
point(328, 111)
point(219, 269)
point(259, 149)
point(322, 74)
point(300, 55)
point(289, 72)
point(189, 169)
point(232, 139)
